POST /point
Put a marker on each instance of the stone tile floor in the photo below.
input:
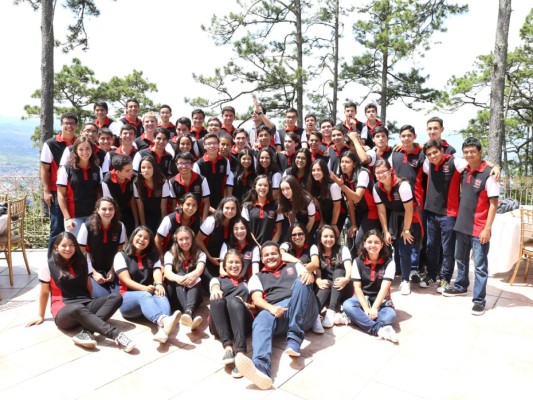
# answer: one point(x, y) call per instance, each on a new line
point(444, 353)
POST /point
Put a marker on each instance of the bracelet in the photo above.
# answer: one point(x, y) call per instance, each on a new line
point(158, 283)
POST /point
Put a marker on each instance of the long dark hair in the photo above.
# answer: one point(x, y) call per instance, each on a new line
point(150, 251)
point(77, 261)
point(232, 244)
point(240, 172)
point(74, 159)
point(300, 197)
point(383, 253)
point(335, 257)
point(219, 215)
point(307, 169)
point(96, 220)
point(179, 258)
point(321, 188)
point(158, 178)
point(272, 169)
point(291, 229)
point(357, 166)
point(252, 196)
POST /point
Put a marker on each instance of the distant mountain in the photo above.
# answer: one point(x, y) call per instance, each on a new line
point(17, 154)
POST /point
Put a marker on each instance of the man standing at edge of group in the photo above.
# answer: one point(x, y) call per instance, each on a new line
point(477, 209)
point(51, 154)
point(283, 292)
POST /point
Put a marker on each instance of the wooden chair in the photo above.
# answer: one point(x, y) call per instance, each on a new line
point(13, 239)
point(526, 242)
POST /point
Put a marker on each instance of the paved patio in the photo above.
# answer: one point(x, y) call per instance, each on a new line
point(444, 353)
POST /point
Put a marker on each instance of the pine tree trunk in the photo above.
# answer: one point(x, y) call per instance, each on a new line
point(336, 63)
point(496, 126)
point(299, 59)
point(47, 69)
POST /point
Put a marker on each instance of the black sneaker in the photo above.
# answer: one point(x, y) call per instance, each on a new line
point(414, 276)
point(478, 309)
point(453, 291)
point(235, 373)
point(85, 339)
point(228, 358)
point(125, 343)
point(427, 282)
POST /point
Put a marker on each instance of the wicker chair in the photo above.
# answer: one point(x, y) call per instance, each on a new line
point(13, 239)
point(526, 242)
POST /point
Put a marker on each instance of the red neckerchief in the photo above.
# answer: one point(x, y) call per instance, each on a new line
point(85, 172)
point(178, 178)
point(416, 151)
point(245, 177)
point(60, 139)
point(179, 220)
point(104, 231)
point(143, 137)
point(234, 281)
point(107, 121)
point(198, 132)
point(338, 152)
point(275, 272)
point(136, 123)
point(186, 263)
point(71, 270)
point(298, 253)
point(140, 261)
point(120, 151)
point(393, 184)
point(481, 168)
point(157, 156)
point(373, 267)
point(318, 153)
point(289, 157)
point(235, 150)
point(445, 158)
point(240, 248)
point(445, 144)
point(170, 125)
point(384, 151)
point(148, 190)
point(371, 130)
point(213, 162)
point(287, 129)
point(262, 208)
point(230, 130)
point(114, 179)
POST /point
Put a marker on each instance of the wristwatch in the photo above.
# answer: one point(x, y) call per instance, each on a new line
point(406, 231)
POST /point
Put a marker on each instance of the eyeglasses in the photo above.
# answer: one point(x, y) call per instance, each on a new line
point(297, 234)
point(382, 172)
point(214, 125)
point(69, 123)
point(301, 159)
point(184, 164)
point(211, 144)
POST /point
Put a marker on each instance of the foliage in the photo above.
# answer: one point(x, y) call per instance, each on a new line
point(76, 89)
point(473, 88)
point(393, 32)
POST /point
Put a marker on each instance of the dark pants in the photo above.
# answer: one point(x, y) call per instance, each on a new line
point(57, 224)
point(184, 298)
point(91, 315)
point(364, 224)
point(231, 321)
point(331, 297)
point(440, 233)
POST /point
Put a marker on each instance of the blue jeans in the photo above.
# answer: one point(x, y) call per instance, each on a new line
point(463, 244)
point(354, 311)
point(56, 222)
point(79, 221)
point(300, 317)
point(104, 290)
point(440, 233)
point(403, 251)
point(138, 303)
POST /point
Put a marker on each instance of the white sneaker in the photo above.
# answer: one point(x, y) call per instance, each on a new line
point(317, 326)
point(247, 368)
point(170, 322)
point(387, 332)
point(328, 320)
point(341, 319)
point(161, 336)
point(405, 288)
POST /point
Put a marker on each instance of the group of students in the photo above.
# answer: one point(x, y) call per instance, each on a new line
point(151, 219)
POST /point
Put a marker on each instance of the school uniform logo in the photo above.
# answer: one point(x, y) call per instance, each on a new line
point(247, 255)
point(477, 183)
point(271, 214)
point(290, 270)
point(95, 176)
point(445, 168)
point(396, 196)
point(114, 237)
point(381, 273)
point(222, 169)
point(414, 163)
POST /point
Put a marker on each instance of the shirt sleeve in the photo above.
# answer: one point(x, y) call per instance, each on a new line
point(314, 250)
point(157, 265)
point(202, 258)
point(256, 255)
point(245, 214)
point(62, 178)
point(123, 235)
point(460, 164)
point(346, 256)
point(208, 226)
point(276, 179)
point(119, 263)
point(390, 271)
point(311, 208)
point(363, 179)
point(44, 273)
point(46, 154)
point(375, 195)
point(82, 235)
point(229, 181)
point(425, 166)
point(136, 161)
point(164, 227)
point(223, 250)
point(356, 276)
point(493, 187)
point(105, 190)
point(196, 168)
point(65, 156)
point(373, 157)
point(168, 258)
point(336, 192)
point(284, 246)
point(135, 191)
point(254, 284)
point(166, 190)
point(105, 164)
point(213, 282)
point(205, 188)
point(406, 192)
